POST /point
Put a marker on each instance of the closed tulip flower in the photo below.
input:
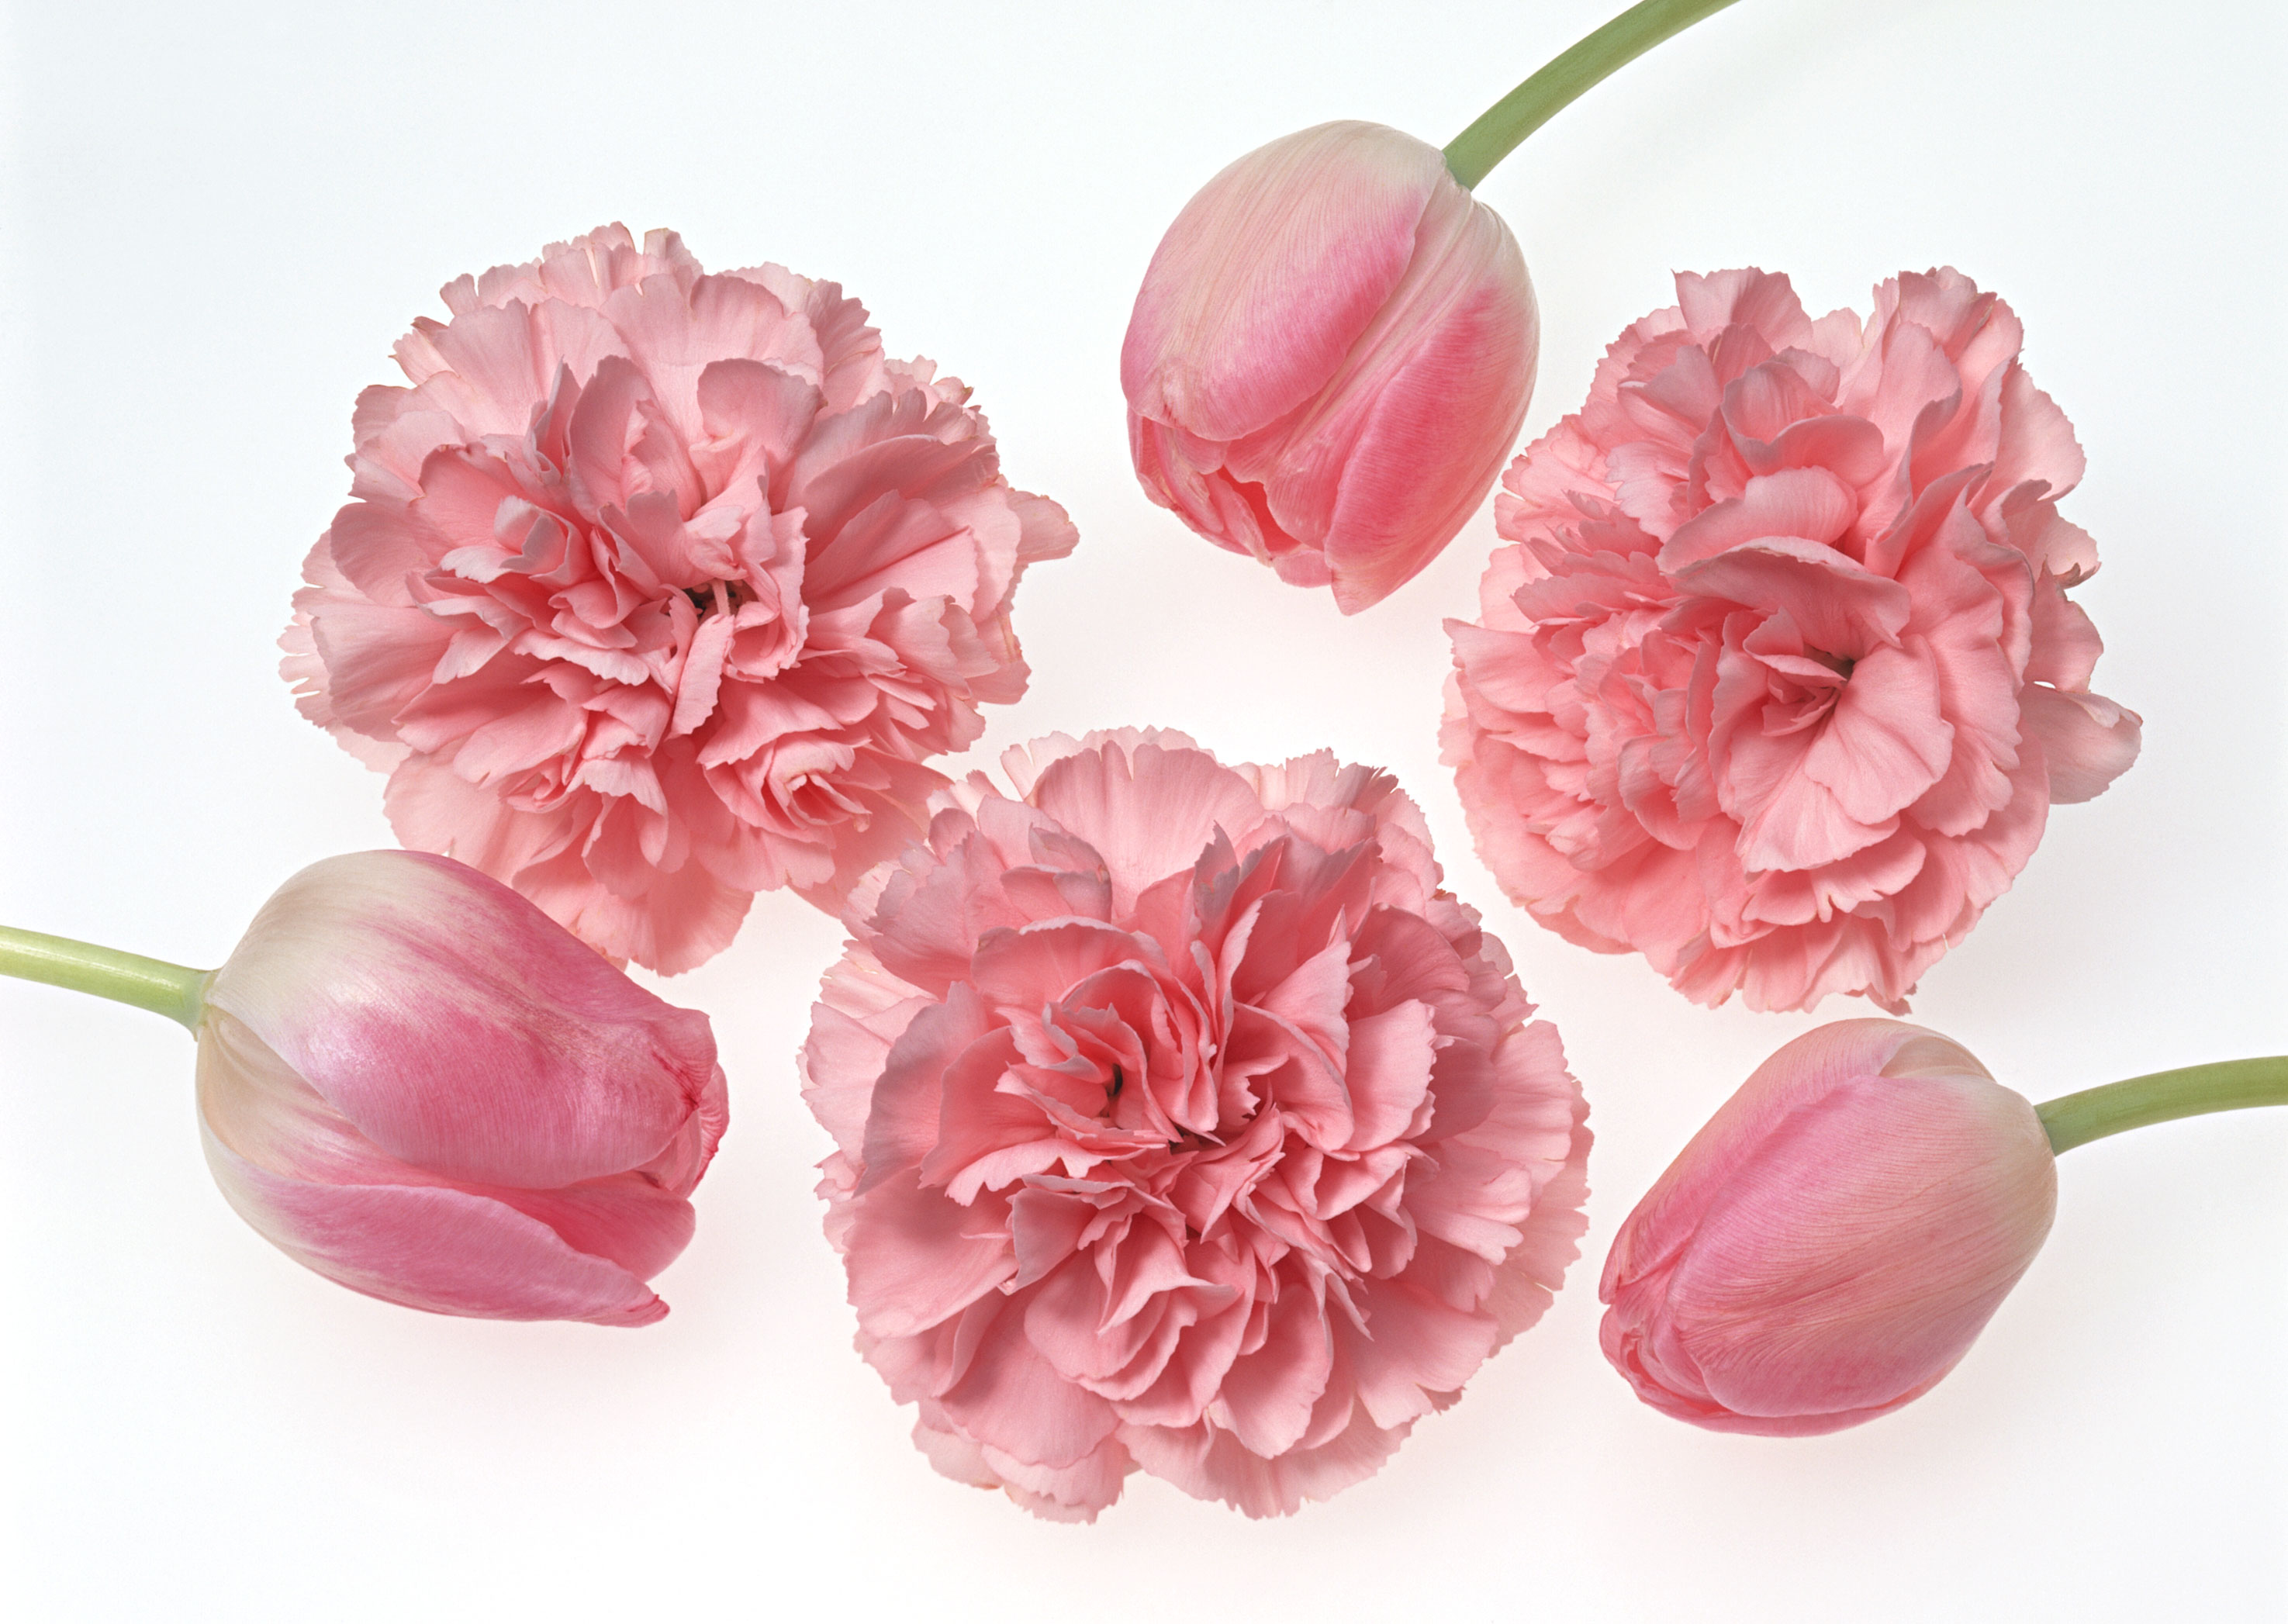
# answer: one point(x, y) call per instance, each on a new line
point(1830, 1243)
point(1333, 347)
point(415, 1083)
point(1330, 359)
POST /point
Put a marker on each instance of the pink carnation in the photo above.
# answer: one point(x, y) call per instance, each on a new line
point(1184, 1122)
point(1780, 679)
point(658, 587)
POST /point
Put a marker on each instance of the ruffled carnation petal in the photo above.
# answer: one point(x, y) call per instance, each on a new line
point(1777, 680)
point(1183, 1122)
point(658, 588)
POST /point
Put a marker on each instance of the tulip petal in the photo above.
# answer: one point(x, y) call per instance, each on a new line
point(432, 1247)
point(460, 1029)
point(1271, 273)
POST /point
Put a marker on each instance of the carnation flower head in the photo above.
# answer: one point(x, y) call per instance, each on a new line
point(1183, 1122)
point(1779, 679)
point(657, 588)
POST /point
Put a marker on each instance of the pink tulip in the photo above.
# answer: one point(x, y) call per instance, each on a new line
point(1833, 1240)
point(415, 1083)
point(1330, 359)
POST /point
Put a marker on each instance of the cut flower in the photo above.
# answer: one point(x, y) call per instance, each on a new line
point(1329, 359)
point(1830, 1245)
point(415, 1083)
point(1184, 1122)
point(1779, 679)
point(657, 588)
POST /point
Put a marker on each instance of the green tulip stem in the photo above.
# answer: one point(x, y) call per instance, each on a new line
point(2139, 1102)
point(173, 990)
point(1473, 154)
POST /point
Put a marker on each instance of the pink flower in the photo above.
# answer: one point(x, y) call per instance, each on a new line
point(658, 587)
point(414, 1082)
point(1833, 1240)
point(1184, 1122)
point(1780, 679)
point(1330, 358)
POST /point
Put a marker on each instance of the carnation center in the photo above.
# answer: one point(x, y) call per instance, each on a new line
point(722, 597)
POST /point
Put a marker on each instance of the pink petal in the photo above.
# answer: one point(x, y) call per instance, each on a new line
point(2086, 740)
point(1806, 503)
point(1388, 1071)
point(1218, 341)
point(1011, 1394)
point(1147, 835)
point(920, 1263)
point(445, 1250)
point(459, 1029)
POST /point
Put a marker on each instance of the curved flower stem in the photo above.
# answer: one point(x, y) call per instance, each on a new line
point(1497, 132)
point(2190, 1090)
point(173, 990)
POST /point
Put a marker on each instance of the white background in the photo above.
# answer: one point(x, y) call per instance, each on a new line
point(219, 217)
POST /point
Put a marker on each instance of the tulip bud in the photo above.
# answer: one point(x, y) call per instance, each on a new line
point(1330, 359)
point(1831, 1242)
point(414, 1081)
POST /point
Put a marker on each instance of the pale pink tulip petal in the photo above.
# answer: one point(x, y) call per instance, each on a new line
point(628, 1219)
point(447, 1250)
point(441, 974)
point(1218, 341)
